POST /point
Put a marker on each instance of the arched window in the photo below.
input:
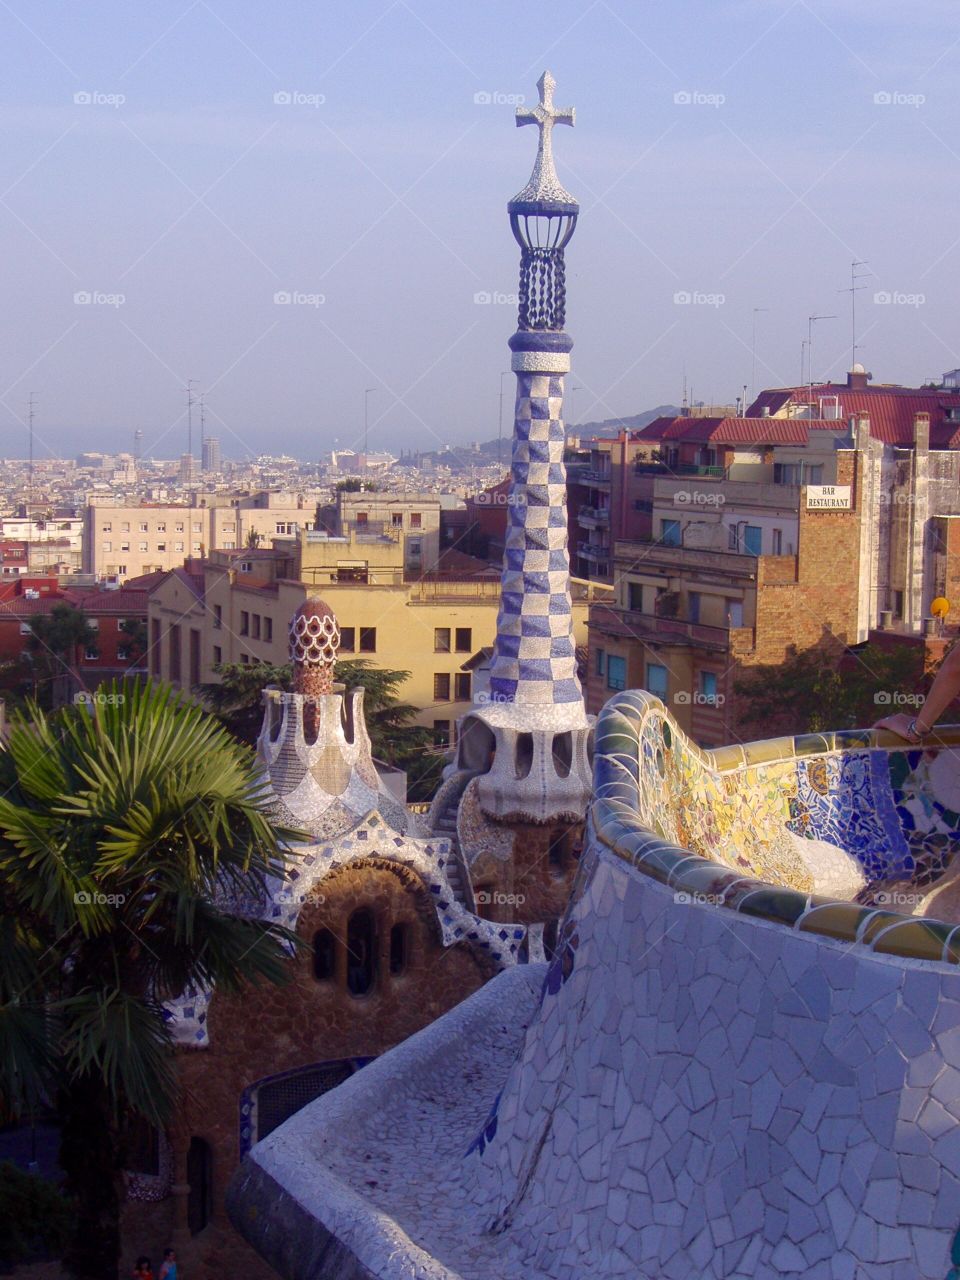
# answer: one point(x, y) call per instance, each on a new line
point(524, 754)
point(324, 956)
point(399, 948)
point(361, 952)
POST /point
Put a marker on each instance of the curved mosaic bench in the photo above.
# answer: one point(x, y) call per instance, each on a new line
point(861, 790)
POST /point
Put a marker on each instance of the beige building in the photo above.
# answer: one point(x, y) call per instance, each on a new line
point(124, 542)
point(236, 608)
point(412, 519)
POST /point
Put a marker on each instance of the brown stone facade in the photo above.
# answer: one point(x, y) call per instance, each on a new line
point(533, 885)
point(261, 1032)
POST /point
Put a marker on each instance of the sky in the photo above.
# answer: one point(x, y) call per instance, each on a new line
point(173, 170)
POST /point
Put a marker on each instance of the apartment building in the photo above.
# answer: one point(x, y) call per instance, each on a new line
point(412, 519)
point(235, 608)
point(121, 542)
point(836, 535)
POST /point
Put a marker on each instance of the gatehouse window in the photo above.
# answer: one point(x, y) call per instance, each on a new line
point(399, 948)
point(361, 953)
point(324, 956)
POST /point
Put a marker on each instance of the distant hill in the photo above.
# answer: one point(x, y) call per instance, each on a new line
point(462, 458)
point(613, 426)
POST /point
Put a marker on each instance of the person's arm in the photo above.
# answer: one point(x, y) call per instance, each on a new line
point(945, 687)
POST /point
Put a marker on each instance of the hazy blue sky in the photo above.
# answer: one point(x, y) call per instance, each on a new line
point(198, 197)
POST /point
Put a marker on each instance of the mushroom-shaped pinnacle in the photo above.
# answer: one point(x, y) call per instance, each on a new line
point(314, 641)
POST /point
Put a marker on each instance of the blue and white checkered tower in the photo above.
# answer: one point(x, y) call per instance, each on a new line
point(535, 707)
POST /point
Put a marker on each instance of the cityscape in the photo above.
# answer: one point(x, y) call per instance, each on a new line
point(475, 810)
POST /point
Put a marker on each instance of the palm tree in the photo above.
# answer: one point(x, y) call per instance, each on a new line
point(131, 828)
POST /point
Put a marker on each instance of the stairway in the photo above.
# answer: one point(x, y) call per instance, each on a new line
point(446, 826)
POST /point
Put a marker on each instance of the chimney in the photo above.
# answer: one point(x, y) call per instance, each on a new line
point(886, 619)
point(765, 411)
point(858, 378)
point(921, 430)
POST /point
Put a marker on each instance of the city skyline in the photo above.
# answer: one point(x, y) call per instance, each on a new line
point(275, 211)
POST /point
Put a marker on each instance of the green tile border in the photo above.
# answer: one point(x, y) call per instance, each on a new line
point(615, 807)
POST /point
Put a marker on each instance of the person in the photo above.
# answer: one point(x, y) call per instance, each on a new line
point(945, 687)
point(168, 1268)
point(143, 1269)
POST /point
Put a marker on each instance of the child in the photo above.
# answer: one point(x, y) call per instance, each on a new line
point(143, 1270)
point(168, 1268)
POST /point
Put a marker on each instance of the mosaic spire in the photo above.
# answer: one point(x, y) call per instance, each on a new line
point(534, 662)
point(314, 641)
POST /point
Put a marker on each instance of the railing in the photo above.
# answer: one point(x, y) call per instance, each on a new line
point(591, 476)
point(599, 515)
point(679, 469)
point(652, 627)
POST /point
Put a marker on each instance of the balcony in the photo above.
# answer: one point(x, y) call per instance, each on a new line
point(594, 477)
point(678, 469)
point(594, 517)
point(589, 551)
point(651, 629)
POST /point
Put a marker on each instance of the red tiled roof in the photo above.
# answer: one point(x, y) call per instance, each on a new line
point(890, 409)
point(737, 430)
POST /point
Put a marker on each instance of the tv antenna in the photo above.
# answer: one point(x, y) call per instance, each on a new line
point(853, 289)
point(753, 352)
point(31, 407)
point(811, 321)
point(190, 402)
point(203, 421)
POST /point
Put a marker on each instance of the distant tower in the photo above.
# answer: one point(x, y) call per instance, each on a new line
point(535, 718)
point(188, 468)
point(211, 453)
point(137, 444)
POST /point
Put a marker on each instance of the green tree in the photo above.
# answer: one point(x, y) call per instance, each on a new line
point(132, 830)
point(394, 737)
point(814, 691)
point(135, 629)
point(56, 641)
point(254, 539)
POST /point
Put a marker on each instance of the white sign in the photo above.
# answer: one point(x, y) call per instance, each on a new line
point(828, 497)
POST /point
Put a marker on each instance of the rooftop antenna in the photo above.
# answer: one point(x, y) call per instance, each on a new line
point(190, 382)
point(853, 290)
point(31, 405)
point(753, 353)
point(683, 398)
point(203, 421)
point(811, 321)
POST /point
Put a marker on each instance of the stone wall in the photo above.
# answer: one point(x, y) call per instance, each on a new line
point(263, 1031)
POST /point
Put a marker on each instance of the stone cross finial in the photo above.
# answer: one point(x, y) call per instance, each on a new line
point(544, 183)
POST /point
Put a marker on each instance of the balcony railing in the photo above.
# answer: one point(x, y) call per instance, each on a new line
point(592, 476)
point(678, 469)
point(594, 517)
point(650, 628)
